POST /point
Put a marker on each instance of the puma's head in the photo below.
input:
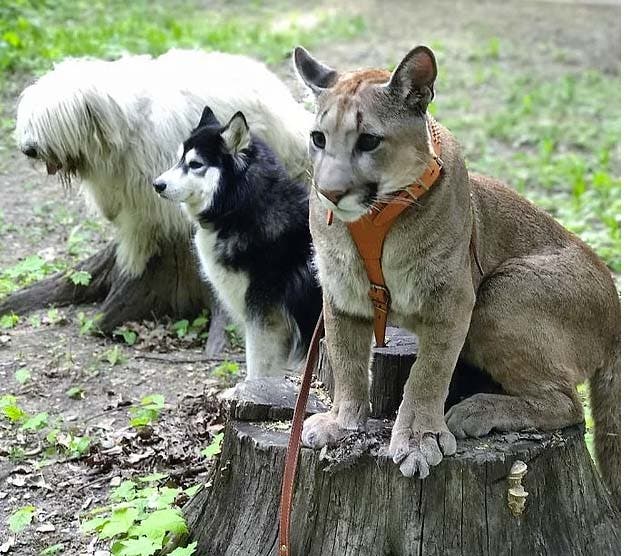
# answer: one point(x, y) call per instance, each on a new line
point(370, 136)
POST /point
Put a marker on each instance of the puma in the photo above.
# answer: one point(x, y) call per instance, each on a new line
point(472, 268)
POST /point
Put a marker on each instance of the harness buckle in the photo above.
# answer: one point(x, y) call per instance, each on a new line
point(380, 296)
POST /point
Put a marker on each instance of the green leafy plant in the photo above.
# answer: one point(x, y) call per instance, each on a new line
point(214, 448)
point(34, 321)
point(140, 520)
point(29, 270)
point(148, 410)
point(36, 422)
point(20, 519)
point(129, 336)
point(10, 409)
point(75, 393)
point(23, 376)
point(190, 330)
point(115, 356)
point(88, 324)
point(8, 321)
point(234, 336)
point(54, 316)
point(80, 277)
point(226, 371)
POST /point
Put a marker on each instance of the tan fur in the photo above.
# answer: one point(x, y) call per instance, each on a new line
point(544, 317)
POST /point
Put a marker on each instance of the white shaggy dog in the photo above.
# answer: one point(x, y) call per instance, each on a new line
point(117, 125)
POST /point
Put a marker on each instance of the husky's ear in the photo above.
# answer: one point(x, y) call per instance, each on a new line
point(315, 75)
point(236, 133)
point(208, 118)
point(414, 77)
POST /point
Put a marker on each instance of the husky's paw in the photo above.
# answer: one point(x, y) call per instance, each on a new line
point(327, 429)
point(417, 447)
point(475, 416)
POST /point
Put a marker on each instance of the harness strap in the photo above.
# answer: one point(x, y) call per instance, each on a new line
point(370, 231)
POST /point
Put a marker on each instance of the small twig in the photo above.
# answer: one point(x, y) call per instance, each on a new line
point(94, 482)
point(107, 411)
point(236, 358)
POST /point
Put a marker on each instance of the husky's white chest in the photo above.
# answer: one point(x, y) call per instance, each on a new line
point(230, 285)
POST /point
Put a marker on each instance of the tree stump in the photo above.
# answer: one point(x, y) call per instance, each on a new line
point(352, 499)
point(170, 286)
point(390, 368)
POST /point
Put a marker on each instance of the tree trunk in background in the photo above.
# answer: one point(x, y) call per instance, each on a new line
point(170, 286)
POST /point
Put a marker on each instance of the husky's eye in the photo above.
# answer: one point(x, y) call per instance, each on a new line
point(318, 138)
point(194, 164)
point(367, 142)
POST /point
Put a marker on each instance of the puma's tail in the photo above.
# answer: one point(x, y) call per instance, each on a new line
point(605, 403)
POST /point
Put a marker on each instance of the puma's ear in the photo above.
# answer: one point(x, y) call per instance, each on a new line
point(208, 118)
point(236, 133)
point(315, 75)
point(413, 78)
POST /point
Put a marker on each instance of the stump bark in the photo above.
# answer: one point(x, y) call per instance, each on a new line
point(353, 500)
point(170, 286)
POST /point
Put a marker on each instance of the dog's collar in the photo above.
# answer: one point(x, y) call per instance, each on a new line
point(370, 231)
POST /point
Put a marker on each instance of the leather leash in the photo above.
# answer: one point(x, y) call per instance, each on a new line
point(292, 451)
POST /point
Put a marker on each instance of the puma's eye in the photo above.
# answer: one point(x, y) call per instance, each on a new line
point(318, 138)
point(367, 142)
point(194, 165)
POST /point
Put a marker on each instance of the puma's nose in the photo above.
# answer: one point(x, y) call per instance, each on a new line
point(333, 196)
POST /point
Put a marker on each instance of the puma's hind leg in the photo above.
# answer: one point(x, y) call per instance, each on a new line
point(532, 330)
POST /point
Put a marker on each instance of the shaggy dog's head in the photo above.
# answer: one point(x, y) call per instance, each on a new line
point(67, 119)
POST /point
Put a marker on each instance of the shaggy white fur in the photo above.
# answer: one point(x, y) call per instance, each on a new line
point(117, 125)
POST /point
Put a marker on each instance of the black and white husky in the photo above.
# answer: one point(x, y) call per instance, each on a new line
point(252, 238)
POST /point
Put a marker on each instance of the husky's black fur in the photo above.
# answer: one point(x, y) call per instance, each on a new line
point(260, 216)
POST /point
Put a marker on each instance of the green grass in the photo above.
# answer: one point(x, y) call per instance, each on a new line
point(35, 33)
point(556, 140)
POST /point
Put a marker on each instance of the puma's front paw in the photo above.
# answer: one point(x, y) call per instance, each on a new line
point(326, 429)
point(419, 445)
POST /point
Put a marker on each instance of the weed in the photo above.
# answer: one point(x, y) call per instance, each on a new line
point(140, 519)
point(20, 519)
point(214, 448)
point(22, 376)
point(54, 316)
point(129, 336)
point(226, 371)
point(198, 328)
point(235, 338)
point(34, 321)
point(8, 321)
point(27, 271)
point(75, 393)
point(88, 324)
point(114, 356)
point(148, 410)
point(80, 277)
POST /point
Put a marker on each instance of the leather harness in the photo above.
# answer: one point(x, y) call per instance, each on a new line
point(368, 233)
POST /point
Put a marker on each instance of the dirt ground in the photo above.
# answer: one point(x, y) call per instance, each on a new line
point(38, 217)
